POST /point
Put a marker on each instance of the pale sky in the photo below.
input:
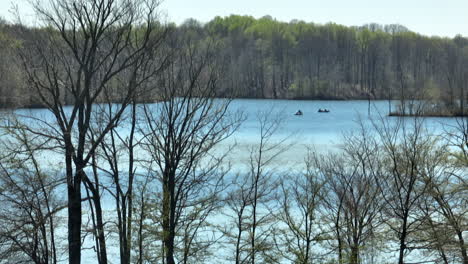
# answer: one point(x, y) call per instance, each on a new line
point(428, 17)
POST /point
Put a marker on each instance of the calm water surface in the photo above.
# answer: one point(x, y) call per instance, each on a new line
point(322, 131)
point(320, 127)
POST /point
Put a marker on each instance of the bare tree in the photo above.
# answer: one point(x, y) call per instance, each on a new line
point(142, 211)
point(238, 201)
point(117, 151)
point(447, 188)
point(407, 153)
point(253, 194)
point(181, 133)
point(88, 45)
point(352, 200)
point(117, 155)
point(300, 201)
point(457, 137)
point(29, 194)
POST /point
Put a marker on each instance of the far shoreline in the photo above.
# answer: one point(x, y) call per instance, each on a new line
point(38, 106)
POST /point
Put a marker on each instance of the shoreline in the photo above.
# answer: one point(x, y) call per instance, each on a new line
point(434, 115)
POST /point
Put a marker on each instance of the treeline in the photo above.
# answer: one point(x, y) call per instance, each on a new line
point(271, 59)
point(265, 58)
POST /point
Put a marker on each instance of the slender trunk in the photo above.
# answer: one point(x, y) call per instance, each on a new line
point(402, 249)
point(461, 243)
point(254, 203)
point(239, 236)
point(129, 196)
point(254, 227)
point(275, 93)
point(338, 233)
point(140, 228)
point(169, 242)
point(52, 239)
point(308, 233)
point(120, 215)
point(168, 217)
point(340, 249)
point(100, 229)
point(126, 234)
point(98, 223)
point(45, 254)
point(50, 217)
point(93, 220)
point(74, 225)
point(125, 201)
point(74, 210)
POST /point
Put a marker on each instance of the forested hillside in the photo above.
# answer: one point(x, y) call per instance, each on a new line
point(266, 58)
point(271, 59)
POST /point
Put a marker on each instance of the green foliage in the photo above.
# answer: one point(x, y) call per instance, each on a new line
point(265, 57)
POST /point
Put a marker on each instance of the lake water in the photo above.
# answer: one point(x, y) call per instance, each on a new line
point(319, 127)
point(323, 131)
point(324, 128)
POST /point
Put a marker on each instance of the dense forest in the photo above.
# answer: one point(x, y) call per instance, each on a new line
point(266, 58)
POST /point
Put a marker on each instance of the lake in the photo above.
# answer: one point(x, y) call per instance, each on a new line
point(323, 131)
point(320, 127)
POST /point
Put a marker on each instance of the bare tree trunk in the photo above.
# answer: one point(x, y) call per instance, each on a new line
point(254, 214)
point(239, 234)
point(100, 231)
point(461, 243)
point(168, 214)
point(354, 255)
point(128, 207)
point(340, 244)
point(74, 213)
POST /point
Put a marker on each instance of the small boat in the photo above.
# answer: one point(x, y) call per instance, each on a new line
point(323, 110)
point(298, 113)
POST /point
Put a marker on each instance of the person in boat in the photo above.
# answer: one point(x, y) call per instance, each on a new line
point(323, 110)
point(299, 112)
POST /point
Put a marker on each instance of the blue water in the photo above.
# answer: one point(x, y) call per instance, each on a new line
point(322, 129)
point(324, 126)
